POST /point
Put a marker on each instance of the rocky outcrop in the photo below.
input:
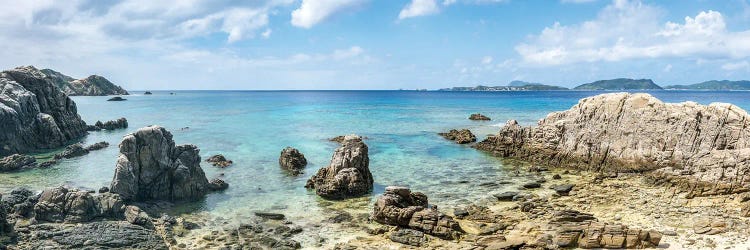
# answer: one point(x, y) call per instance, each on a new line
point(348, 175)
point(78, 150)
point(219, 161)
point(292, 160)
point(116, 99)
point(217, 184)
point(462, 136)
point(151, 167)
point(109, 125)
point(90, 235)
point(93, 85)
point(703, 149)
point(35, 114)
point(398, 206)
point(16, 161)
point(72, 206)
point(479, 117)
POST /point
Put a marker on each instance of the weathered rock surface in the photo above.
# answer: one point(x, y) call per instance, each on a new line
point(151, 167)
point(348, 175)
point(35, 114)
point(292, 160)
point(603, 235)
point(219, 161)
point(704, 149)
point(462, 136)
point(6, 229)
point(16, 161)
point(93, 85)
point(398, 206)
point(70, 205)
point(20, 202)
point(479, 117)
point(78, 150)
point(90, 236)
point(109, 125)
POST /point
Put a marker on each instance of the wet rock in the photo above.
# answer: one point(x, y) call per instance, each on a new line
point(270, 216)
point(70, 205)
point(72, 151)
point(340, 217)
point(97, 146)
point(91, 235)
point(16, 162)
point(47, 164)
point(109, 125)
point(348, 174)
point(292, 160)
point(116, 99)
point(398, 206)
point(217, 184)
point(408, 237)
point(462, 136)
point(562, 189)
point(478, 117)
point(506, 196)
point(219, 161)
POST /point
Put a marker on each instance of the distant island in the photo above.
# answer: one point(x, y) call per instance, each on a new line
point(714, 85)
point(512, 86)
point(619, 84)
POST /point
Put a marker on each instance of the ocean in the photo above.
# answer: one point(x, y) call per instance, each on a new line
point(252, 127)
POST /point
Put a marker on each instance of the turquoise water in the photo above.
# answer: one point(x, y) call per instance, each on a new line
point(251, 128)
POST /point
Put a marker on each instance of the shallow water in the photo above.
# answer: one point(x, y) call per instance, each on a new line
point(251, 128)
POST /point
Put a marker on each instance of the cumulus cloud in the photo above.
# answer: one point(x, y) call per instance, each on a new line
point(312, 12)
point(419, 8)
point(451, 2)
point(631, 30)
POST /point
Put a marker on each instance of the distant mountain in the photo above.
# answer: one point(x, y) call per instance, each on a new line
point(90, 86)
point(522, 83)
point(619, 84)
point(528, 87)
point(715, 85)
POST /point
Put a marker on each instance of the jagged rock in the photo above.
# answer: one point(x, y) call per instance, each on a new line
point(459, 136)
point(151, 167)
point(70, 205)
point(109, 125)
point(97, 146)
point(398, 206)
point(90, 86)
point(16, 162)
point(91, 235)
point(35, 114)
point(479, 117)
point(116, 99)
point(20, 201)
point(292, 160)
point(217, 184)
point(408, 237)
point(219, 161)
point(348, 175)
point(338, 139)
point(703, 149)
point(78, 150)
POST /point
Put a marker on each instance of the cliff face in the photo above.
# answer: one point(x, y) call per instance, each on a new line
point(90, 86)
point(705, 149)
point(34, 113)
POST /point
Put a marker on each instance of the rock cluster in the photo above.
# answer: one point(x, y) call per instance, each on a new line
point(292, 160)
point(16, 161)
point(72, 206)
point(109, 125)
point(35, 114)
point(462, 136)
point(219, 161)
point(151, 167)
point(78, 150)
point(348, 174)
point(704, 149)
point(398, 206)
point(479, 117)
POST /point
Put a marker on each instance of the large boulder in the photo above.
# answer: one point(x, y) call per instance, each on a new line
point(292, 160)
point(70, 205)
point(151, 167)
point(398, 206)
point(16, 161)
point(34, 113)
point(348, 175)
point(705, 149)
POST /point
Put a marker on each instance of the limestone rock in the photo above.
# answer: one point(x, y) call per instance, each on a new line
point(70, 205)
point(35, 114)
point(479, 117)
point(219, 161)
point(292, 160)
point(398, 206)
point(462, 136)
point(151, 167)
point(16, 162)
point(705, 149)
point(348, 175)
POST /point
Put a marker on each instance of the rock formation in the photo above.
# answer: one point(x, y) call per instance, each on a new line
point(90, 86)
point(116, 99)
point(292, 160)
point(16, 162)
point(459, 136)
point(78, 150)
point(348, 175)
point(69, 205)
point(109, 125)
point(35, 114)
point(703, 149)
point(479, 117)
point(398, 206)
point(219, 161)
point(151, 167)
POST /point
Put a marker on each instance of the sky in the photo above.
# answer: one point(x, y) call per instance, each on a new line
point(377, 44)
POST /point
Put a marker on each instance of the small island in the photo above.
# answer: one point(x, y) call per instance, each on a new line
point(512, 86)
point(620, 84)
point(714, 85)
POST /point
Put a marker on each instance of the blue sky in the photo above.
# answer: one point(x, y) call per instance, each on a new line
point(368, 44)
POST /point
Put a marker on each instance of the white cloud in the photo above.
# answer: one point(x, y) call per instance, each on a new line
point(312, 12)
point(487, 60)
point(735, 66)
point(631, 30)
point(451, 2)
point(419, 8)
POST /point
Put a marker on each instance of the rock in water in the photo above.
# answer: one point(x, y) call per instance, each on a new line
point(78, 150)
point(292, 160)
point(479, 117)
point(398, 206)
point(35, 114)
point(219, 161)
point(348, 175)
point(704, 149)
point(151, 167)
point(109, 125)
point(116, 99)
point(459, 136)
point(16, 162)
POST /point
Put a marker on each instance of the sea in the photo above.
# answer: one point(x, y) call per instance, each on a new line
point(252, 127)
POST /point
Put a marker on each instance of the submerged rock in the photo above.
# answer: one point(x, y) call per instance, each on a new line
point(292, 160)
point(119, 123)
point(704, 149)
point(35, 114)
point(151, 167)
point(479, 117)
point(348, 175)
point(16, 162)
point(116, 99)
point(398, 206)
point(462, 136)
point(219, 161)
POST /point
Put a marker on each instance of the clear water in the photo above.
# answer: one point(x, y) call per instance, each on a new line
point(251, 128)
